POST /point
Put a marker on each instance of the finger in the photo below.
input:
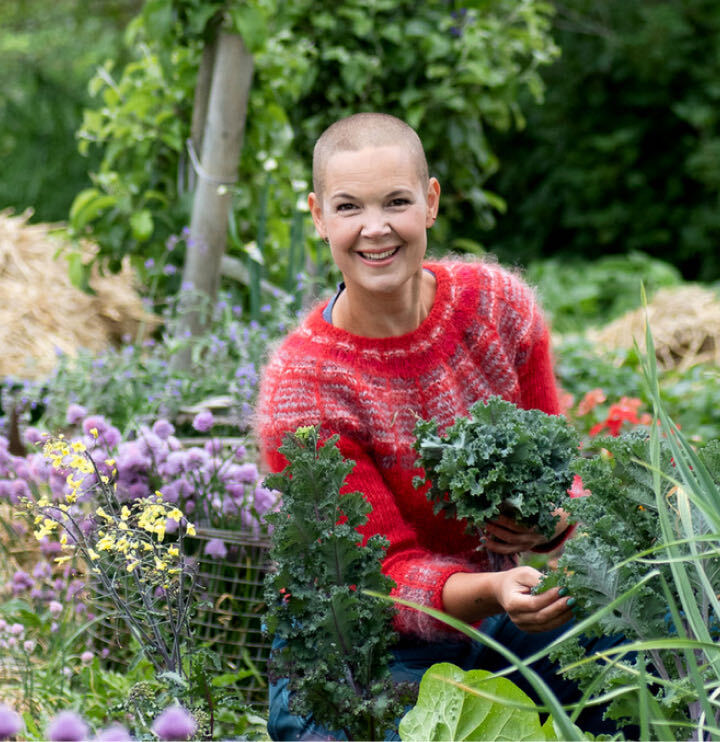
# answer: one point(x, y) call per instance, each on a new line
point(545, 619)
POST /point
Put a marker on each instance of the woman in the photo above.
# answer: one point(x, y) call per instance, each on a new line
point(405, 339)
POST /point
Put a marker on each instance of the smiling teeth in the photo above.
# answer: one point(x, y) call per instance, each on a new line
point(378, 255)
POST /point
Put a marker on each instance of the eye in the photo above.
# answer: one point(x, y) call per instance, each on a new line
point(345, 206)
point(399, 202)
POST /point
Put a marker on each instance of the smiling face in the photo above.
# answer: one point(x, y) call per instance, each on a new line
point(375, 210)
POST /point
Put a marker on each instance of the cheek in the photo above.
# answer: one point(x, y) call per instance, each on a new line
point(412, 223)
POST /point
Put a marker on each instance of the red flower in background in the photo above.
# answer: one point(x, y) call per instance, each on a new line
point(626, 410)
point(591, 400)
point(578, 488)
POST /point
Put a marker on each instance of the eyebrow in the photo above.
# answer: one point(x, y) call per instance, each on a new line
point(392, 194)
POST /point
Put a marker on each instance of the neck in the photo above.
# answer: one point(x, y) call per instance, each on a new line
point(380, 315)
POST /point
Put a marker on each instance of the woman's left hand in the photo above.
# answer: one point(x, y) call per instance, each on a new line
point(504, 536)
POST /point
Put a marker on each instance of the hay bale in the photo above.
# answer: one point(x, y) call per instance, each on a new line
point(42, 313)
point(685, 324)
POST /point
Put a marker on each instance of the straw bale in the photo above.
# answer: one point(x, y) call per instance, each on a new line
point(685, 325)
point(42, 313)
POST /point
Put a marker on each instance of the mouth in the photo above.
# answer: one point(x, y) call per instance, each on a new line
point(378, 256)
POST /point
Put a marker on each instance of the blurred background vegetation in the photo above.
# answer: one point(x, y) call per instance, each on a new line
point(623, 155)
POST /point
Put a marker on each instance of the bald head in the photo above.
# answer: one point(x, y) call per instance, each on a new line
point(366, 130)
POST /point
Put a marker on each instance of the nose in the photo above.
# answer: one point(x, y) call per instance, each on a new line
point(375, 224)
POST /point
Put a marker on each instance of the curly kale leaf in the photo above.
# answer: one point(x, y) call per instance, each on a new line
point(501, 459)
point(617, 544)
point(336, 638)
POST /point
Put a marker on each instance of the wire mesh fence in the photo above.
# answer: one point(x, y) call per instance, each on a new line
point(229, 620)
point(230, 568)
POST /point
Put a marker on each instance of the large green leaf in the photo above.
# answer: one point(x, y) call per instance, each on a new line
point(474, 705)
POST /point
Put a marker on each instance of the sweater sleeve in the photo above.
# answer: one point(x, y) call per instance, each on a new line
point(538, 387)
point(418, 573)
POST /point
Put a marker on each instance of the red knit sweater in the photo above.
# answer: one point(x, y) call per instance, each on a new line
point(484, 336)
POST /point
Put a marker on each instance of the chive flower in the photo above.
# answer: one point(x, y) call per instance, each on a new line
point(67, 726)
point(175, 723)
point(10, 722)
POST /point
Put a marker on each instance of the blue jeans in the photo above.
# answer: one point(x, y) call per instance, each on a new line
point(412, 657)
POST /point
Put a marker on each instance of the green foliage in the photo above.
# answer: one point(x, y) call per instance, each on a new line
point(451, 73)
point(499, 460)
point(473, 705)
point(619, 568)
point(336, 650)
point(138, 199)
point(624, 154)
point(578, 293)
point(47, 52)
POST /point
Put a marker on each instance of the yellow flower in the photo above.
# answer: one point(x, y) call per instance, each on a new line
point(93, 554)
point(103, 514)
point(175, 514)
point(133, 565)
point(63, 559)
point(94, 432)
point(190, 529)
point(173, 551)
point(106, 543)
point(159, 564)
point(63, 539)
point(125, 512)
point(78, 446)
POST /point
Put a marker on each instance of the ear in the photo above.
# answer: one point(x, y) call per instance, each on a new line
point(316, 213)
point(433, 202)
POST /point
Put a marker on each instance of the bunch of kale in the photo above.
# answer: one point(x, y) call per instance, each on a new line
point(502, 459)
point(336, 638)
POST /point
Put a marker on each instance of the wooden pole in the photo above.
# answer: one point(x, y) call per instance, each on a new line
point(216, 171)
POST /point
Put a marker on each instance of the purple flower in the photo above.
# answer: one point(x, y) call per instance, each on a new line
point(113, 733)
point(67, 726)
point(10, 722)
point(216, 548)
point(174, 723)
point(203, 421)
point(55, 608)
point(163, 429)
point(247, 473)
point(86, 657)
point(213, 447)
point(171, 525)
point(75, 413)
point(265, 499)
point(33, 435)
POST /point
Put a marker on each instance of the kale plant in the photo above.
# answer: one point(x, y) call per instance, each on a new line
point(643, 545)
point(336, 651)
point(500, 460)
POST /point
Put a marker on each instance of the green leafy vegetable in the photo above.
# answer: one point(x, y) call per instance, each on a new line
point(500, 460)
point(620, 554)
point(336, 652)
point(473, 705)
